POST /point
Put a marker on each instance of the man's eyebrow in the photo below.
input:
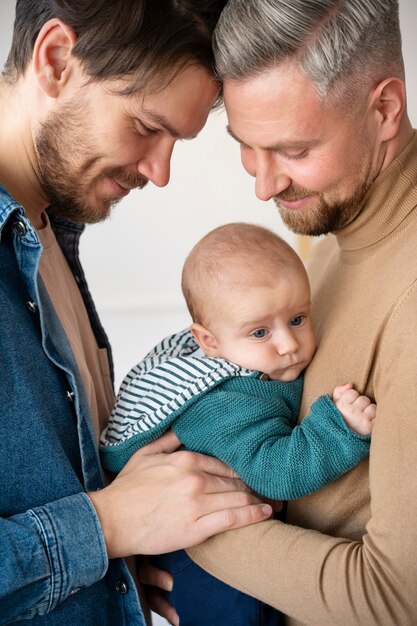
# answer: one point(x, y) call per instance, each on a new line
point(161, 120)
point(278, 147)
point(235, 137)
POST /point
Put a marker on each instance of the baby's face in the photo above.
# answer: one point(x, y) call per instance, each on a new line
point(267, 327)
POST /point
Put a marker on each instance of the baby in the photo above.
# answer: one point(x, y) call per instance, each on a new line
point(231, 386)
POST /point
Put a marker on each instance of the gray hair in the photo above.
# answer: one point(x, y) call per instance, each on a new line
point(339, 44)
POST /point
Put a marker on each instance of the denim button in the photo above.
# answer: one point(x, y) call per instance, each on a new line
point(121, 587)
point(75, 591)
point(70, 396)
point(19, 228)
point(31, 306)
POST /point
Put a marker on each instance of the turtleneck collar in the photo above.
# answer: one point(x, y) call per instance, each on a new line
point(388, 202)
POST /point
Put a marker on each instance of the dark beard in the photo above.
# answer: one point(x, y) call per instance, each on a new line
point(324, 218)
point(65, 183)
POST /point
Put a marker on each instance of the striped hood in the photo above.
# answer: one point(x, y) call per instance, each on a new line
point(160, 387)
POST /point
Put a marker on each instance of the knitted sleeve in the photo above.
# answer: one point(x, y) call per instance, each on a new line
point(254, 434)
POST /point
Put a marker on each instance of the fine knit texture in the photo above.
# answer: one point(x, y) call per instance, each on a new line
point(248, 423)
point(348, 554)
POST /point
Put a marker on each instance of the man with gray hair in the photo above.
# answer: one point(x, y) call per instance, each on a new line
point(315, 96)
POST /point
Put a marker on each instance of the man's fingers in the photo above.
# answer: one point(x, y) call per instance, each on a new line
point(196, 462)
point(193, 461)
point(229, 519)
point(158, 604)
point(155, 577)
point(185, 495)
point(169, 442)
point(204, 483)
point(228, 500)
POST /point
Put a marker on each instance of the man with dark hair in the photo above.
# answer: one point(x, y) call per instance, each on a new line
point(315, 96)
point(93, 97)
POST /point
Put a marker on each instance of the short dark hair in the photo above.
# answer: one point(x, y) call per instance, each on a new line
point(142, 41)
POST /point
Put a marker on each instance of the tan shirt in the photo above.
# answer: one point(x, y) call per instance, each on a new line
point(348, 555)
point(92, 362)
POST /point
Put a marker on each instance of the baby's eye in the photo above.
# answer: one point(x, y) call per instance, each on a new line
point(260, 333)
point(297, 320)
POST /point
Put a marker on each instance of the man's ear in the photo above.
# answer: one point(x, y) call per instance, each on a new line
point(52, 60)
point(205, 339)
point(389, 100)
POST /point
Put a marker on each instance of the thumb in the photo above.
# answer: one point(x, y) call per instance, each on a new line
point(339, 390)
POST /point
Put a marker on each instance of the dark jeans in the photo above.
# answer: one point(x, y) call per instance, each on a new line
point(202, 600)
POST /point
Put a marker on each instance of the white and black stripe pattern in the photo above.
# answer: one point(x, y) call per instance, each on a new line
point(162, 383)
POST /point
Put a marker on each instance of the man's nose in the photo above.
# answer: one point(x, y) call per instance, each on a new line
point(269, 171)
point(155, 164)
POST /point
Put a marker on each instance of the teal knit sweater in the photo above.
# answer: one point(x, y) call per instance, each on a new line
point(248, 423)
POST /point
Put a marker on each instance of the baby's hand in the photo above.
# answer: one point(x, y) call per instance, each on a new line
point(357, 411)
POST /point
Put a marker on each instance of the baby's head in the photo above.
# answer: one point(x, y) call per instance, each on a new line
point(249, 298)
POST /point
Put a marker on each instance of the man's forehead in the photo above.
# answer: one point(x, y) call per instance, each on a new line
point(280, 103)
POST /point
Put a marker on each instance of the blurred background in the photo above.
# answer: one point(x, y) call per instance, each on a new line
point(151, 231)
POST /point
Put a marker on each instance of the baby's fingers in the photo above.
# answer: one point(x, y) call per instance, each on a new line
point(361, 403)
point(339, 390)
point(370, 411)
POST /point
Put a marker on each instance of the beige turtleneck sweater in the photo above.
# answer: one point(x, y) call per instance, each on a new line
point(348, 555)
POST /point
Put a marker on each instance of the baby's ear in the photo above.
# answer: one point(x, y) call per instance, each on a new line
point(205, 339)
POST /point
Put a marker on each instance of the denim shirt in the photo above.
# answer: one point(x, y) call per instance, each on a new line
point(54, 568)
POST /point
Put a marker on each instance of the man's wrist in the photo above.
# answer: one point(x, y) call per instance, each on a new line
point(111, 532)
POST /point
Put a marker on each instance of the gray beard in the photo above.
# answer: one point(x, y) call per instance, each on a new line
point(325, 217)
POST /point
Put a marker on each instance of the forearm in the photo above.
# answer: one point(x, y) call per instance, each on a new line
point(311, 577)
point(48, 553)
point(342, 581)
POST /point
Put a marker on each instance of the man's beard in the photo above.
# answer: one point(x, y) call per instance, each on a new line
point(326, 216)
point(66, 179)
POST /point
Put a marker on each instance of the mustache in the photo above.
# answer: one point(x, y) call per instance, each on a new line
point(294, 193)
point(126, 179)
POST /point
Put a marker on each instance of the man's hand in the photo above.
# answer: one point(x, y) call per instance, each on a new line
point(164, 500)
point(155, 580)
point(357, 411)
